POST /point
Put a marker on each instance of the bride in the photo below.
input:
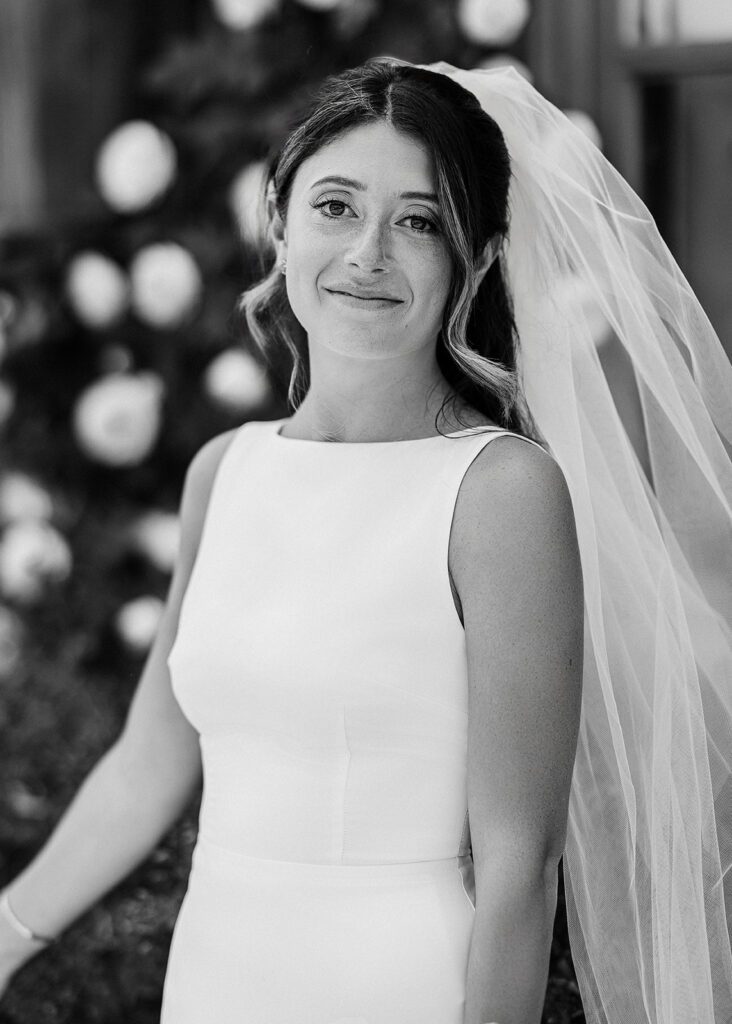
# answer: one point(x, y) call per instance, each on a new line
point(394, 769)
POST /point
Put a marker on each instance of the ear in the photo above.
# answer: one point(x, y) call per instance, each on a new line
point(490, 253)
point(488, 256)
point(277, 230)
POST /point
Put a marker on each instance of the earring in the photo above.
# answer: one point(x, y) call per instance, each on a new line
point(282, 264)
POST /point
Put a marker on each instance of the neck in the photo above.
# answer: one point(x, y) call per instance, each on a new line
point(378, 399)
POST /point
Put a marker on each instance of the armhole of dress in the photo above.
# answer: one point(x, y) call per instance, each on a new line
point(218, 481)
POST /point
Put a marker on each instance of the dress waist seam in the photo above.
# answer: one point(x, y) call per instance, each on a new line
point(209, 852)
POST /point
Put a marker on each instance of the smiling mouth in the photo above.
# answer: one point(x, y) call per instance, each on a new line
point(364, 298)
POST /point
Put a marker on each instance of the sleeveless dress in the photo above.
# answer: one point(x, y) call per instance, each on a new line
point(321, 658)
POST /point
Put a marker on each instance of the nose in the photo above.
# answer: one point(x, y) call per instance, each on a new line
point(369, 251)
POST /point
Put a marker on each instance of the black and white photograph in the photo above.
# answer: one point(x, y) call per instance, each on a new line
point(365, 512)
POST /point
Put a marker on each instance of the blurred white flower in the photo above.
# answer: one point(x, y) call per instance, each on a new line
point(25, 803)
point(156, 535)
point(506, 60)
point(236, 380)
point(26, 321)
point(116, 419)
point(492, 22)
point(166, 284)
point(137, 622)
point(247, 202)
point(98, 290)
point(32, 552)
point(352, 16)
point(11, 641)
point(135, 165)
point(22, 497)
point(243, 14)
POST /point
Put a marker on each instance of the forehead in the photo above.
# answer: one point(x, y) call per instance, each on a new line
point(374, 154)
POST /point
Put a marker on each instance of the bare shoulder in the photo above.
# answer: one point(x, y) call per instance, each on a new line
point(513, 513)
point(510, 475)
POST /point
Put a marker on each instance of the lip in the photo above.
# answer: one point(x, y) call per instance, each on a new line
point(362, 296)
point(368, 306)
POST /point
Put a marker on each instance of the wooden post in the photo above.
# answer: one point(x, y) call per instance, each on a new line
point(573, 50)
point(21, 178)
point(68, 73)
point(86, 74)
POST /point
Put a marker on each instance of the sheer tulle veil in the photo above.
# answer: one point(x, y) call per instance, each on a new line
point(649, 842)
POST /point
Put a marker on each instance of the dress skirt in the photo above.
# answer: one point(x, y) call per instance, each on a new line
point(283, 942)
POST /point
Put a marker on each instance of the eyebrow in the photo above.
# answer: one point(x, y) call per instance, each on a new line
point(350, 183)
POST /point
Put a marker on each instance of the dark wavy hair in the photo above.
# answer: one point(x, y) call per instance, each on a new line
point(477, 345)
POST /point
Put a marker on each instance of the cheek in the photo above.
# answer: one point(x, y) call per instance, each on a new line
point(435, 280)
point(307, 234)
point(310, 252)
point(308, 257)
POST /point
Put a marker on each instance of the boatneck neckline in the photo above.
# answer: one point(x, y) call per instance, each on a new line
point(276, 426)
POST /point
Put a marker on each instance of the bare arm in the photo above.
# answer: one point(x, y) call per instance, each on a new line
point(141, 785)
point(518, 574)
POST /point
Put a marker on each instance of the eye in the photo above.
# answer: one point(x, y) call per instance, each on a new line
point(331, 202)
point(431, 226)
point(427, 225)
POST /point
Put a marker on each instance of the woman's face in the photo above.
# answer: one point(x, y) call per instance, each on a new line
point(370, 235)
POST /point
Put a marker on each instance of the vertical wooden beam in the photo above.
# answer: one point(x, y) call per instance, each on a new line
point(702, 194)
point(562, 50)
point(620, 109)
point(86, 77)
point(68, 74)
point(21, 178)
point(572, 47)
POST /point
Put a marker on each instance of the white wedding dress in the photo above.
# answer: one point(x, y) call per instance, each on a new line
point(322, 659)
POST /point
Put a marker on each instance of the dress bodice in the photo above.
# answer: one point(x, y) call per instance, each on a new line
point(320, 654)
